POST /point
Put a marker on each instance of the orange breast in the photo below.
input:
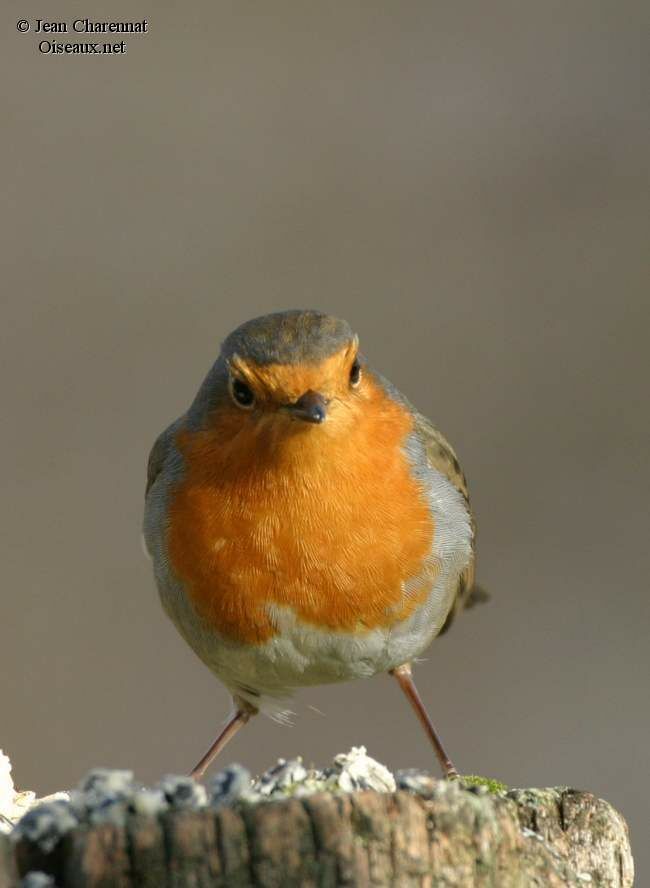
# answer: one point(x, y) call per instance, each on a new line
point(327, 521)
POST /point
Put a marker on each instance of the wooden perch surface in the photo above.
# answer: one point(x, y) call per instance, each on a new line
point(444, 835)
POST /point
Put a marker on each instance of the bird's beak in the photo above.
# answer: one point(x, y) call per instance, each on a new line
point(310, 407)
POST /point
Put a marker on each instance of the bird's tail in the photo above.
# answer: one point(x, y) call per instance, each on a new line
point(468, 596)
point(477, 595)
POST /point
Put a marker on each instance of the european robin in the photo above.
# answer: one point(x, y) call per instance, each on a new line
point(306, 524)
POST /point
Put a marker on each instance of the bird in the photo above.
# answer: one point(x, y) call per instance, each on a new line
point(306, 523)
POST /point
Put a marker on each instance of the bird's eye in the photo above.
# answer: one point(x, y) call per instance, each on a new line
point(355, 374)
point(242, 394)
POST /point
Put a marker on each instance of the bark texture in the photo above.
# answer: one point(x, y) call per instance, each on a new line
point(456, 837)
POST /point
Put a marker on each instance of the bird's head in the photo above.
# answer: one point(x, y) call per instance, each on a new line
point(290, 372)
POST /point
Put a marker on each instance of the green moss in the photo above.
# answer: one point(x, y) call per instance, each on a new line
point(493, 786)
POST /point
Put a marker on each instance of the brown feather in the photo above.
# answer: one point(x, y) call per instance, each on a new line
point(442, 457)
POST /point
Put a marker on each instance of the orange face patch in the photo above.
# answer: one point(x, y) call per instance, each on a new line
point(325, 520)
point(279, 384)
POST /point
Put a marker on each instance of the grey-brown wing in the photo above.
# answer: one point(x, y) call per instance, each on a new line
point(159, 453)
point(441, 456)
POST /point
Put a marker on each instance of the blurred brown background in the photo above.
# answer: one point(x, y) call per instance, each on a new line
point(469, 186)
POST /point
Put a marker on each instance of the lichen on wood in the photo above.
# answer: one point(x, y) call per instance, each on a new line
point(458, 838)
point(308, 828)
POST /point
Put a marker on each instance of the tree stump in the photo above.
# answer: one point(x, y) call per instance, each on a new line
point(449, 836)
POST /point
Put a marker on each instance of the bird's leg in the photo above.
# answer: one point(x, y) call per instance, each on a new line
point(405, 681)
point(242, 714)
